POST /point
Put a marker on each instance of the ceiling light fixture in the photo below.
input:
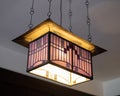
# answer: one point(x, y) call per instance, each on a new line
point(58, 54)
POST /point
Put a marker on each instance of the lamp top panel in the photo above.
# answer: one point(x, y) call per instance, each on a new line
point(50, 26)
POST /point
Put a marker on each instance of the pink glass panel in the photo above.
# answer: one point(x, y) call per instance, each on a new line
point(38, 52)
point(82, 61)
point(60, 52)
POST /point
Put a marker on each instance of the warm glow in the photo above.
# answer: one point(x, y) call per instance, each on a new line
point(49, 25)
point(58, 74)
point(58, 54)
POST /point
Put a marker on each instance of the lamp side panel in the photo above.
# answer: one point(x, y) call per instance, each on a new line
point(60, 52)
point(37, 54)
point(82, 61)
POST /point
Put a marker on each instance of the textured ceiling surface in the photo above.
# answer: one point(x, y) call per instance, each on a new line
point(105, 27)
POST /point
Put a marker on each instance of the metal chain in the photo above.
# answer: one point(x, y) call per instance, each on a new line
point(49, 12)
point(70, 16)
point(31, 15)
point(88, 21)
point(60, 12)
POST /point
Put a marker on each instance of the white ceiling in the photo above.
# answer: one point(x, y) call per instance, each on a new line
point(105, 27)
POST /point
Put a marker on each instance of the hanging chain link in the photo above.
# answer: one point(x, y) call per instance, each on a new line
point(70, 16)
point(49, 12)
point(60, 12)
point(30, 25)
point(88, 21)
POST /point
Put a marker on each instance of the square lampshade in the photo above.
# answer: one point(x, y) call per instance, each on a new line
point(57, 59)
point(57, 54)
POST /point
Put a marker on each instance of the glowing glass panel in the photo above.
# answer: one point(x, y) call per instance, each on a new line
point(58, 74)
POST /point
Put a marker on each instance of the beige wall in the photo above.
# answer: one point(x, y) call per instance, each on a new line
point(112, 87)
